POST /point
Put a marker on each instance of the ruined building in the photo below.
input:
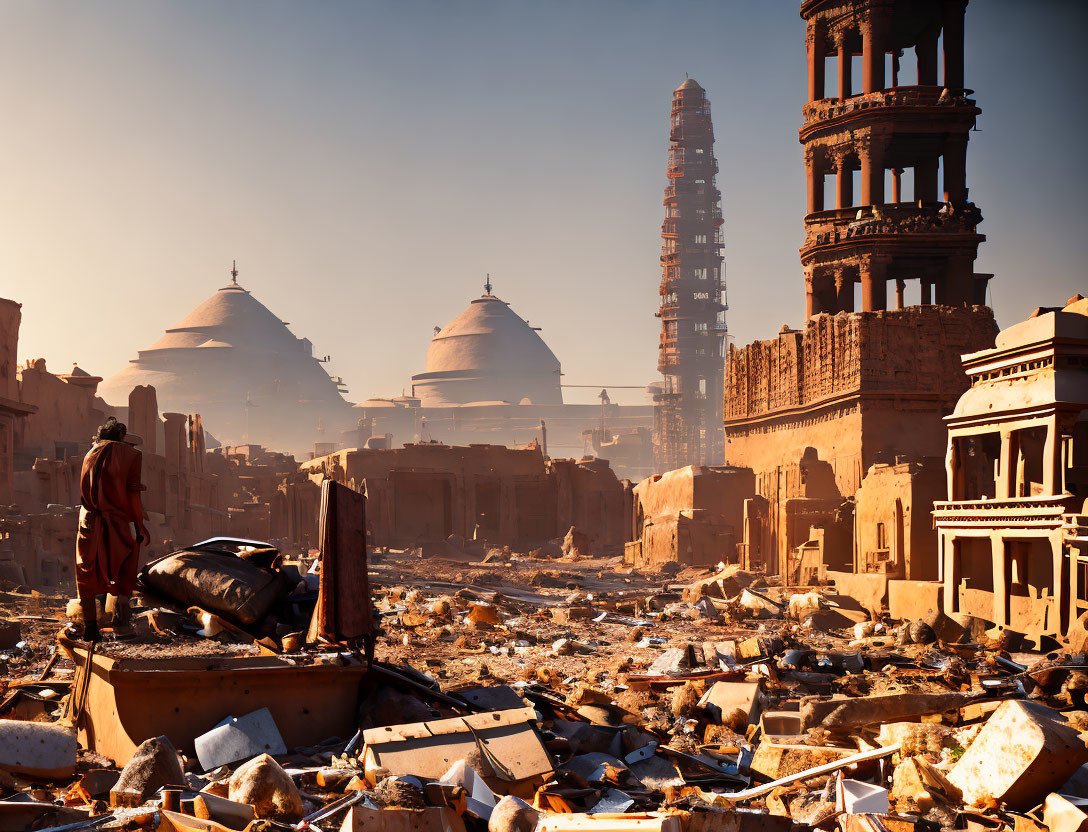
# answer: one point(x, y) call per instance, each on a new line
point(481, 495)
point(862, 385)
point(47, 422)
point(1013, 531)
point(490, 378)
point(692, 515)
point(237, 364)
point(687, 408)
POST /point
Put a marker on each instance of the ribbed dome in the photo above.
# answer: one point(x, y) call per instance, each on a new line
point(238, 365)
point(488, 353)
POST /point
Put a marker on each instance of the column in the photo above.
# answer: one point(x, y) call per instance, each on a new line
point(900, 288)
point(952, 19)
point(959, 281)
point(872, 173)
point(874, 46)
point(925, 180)
point(1052, 458)
point(927, 292)
point(1008, 468)
point(874, 285)
point(844, 291)
point(844, 182)
point(926, 50)
point(1001, 589)
point(955, 169)
point(816, 41)
point(814, 170)
point(844, 58)
point(810, 297)
point(897, 185)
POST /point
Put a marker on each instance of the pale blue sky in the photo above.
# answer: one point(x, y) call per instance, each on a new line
point(368, 162)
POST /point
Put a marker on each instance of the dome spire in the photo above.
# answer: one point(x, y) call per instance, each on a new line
point(234, 272)
point(487, 285)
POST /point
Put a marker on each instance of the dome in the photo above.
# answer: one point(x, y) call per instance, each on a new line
point(239, 366)
point(689, 84)
point(488, 353)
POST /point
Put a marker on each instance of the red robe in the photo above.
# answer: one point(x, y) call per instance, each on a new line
point(107, 551)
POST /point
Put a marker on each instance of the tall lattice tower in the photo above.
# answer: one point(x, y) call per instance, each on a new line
point(688, 408)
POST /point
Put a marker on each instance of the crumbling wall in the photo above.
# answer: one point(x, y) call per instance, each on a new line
point(426, 492)
point(856, 388)
point(10, 316)
point(894, 533)
point(67, 412)
point(693, 515)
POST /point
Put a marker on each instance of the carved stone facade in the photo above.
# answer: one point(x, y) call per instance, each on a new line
point(1013, 531)
point(813, 410)
point(873, 238)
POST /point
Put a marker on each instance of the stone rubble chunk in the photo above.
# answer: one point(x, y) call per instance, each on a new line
point(1025, 751)
point(267, 788)
point(154, 764)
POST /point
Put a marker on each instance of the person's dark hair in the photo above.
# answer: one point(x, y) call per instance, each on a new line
point(112, 429)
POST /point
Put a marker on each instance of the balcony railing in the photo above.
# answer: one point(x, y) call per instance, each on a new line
point(827, 109)
point(894, 219)
point(689, 189)
point(698, 107)
point(702, 251)
point(1031, 511)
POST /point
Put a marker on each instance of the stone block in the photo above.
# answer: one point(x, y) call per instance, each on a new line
point(1023, 752)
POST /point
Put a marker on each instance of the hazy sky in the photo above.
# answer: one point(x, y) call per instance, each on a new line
point(368, 162)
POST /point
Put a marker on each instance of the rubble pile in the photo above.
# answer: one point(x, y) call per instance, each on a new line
point(523, 694)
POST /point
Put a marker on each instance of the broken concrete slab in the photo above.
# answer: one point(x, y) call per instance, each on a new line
point(239, 738)
point(504, 739)
point(723, 700)
point(37, 748)
point(1023, 752)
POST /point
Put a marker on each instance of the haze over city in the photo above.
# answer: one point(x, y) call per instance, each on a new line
point(314, 513)
point(367, 164)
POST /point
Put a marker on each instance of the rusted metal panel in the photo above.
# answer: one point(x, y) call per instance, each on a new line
point(343, 610)
point(129, 700)
point(506, 739)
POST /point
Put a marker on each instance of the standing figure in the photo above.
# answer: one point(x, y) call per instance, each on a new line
point(111, 524)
